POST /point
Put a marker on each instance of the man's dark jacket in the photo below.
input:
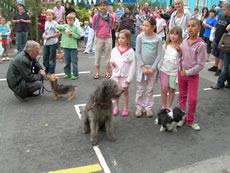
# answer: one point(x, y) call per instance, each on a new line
point(22, 69)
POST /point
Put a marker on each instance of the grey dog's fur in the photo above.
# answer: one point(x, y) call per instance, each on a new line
point(99, 114)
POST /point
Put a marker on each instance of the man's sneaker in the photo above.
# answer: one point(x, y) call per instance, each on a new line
point(3, 58)
point(74, 77)
point(67, 76)
point(217, 87)
point(7, 58)
point(213, 69)
point(21, 99)
point(218, 72)
point(195, 126)
point(227, 86)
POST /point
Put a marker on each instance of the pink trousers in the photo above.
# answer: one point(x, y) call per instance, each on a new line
point(188, 87)
point(144, 100)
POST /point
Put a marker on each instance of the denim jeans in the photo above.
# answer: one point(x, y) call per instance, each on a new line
point(224, 72)
point(21, 38)
point(33, 86)
point(49, 58)
point(70, 56)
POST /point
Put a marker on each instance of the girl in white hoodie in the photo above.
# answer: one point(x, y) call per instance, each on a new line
point(123, 67)
point(168, 66)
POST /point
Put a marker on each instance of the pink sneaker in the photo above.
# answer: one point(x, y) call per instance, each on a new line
point(125, 113)
point(115, 111)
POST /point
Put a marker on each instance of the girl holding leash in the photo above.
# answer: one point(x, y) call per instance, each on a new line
point(123, 67)
point(191, 62)
point(148, 54)
point(168, 66)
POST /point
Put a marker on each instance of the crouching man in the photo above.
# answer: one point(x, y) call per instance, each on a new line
point(24, 74)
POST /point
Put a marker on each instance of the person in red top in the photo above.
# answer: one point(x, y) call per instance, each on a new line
point(102, 25)
point(146, 9)
point(41, 23)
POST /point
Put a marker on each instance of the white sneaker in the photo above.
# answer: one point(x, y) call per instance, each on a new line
point(3, 58)
point(195, 126)
point(7, 58)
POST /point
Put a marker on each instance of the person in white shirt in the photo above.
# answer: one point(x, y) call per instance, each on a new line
point(123, 67)
point(168, 66)
point(161, 24)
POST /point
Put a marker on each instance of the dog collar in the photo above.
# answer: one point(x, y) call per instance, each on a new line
point(56, 86)
point(95, 103)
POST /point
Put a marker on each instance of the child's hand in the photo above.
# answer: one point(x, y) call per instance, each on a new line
point(178, 49)
point(69, 33)
point(113, 64)
point(151, 70)
point(144, 70)
point(183, 73)
point(127, 82)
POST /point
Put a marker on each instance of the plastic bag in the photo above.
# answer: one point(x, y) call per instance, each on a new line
point(212, 35)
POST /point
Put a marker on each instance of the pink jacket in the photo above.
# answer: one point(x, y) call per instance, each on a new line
point(103, 27)
point(193, 56)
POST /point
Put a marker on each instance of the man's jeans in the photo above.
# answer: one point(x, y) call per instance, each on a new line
point(33, 86)
point(70, 56)
point(49, 58)
point(224, 72)
point(21, 38)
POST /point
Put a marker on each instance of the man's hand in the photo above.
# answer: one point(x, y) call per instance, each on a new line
point(145, 70)
point(150, 70)
point(42, 72)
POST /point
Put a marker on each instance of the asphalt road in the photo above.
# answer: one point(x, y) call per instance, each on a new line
point(43, 135)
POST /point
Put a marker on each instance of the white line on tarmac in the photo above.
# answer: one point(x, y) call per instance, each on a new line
point(59, 74)
point(206, 89)
point(96, 148)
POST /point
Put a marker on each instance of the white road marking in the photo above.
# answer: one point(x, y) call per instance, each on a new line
point(206, 89)
point(96, 148)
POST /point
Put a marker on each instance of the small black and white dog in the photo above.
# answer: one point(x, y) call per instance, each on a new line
point(170, 120)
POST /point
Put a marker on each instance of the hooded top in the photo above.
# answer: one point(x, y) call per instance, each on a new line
point(193, 56)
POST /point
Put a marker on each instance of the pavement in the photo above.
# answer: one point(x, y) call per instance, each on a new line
point(43, 135)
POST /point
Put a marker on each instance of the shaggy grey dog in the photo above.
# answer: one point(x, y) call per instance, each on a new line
point(99, 110)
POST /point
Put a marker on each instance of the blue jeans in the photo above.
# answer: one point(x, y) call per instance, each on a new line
point(70, 56)
point(224, 72)
point(133, 40)
point(21, 38)
point(49, 58)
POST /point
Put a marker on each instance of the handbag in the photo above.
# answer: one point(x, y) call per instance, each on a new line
point(224, 44)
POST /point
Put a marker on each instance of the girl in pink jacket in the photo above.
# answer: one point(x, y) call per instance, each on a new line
point(123, 67)
point(192, 61)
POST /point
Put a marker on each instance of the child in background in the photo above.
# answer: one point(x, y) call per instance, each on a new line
point(148, 54)
point(11, 37)
point(140, 29)
point(168, 66)
point(209, 24)
point(50, 37)
point(4, 32)
point(139, 21)
point(1, 48)
point(192, 61)
point(86, 30)
point(123, 67)
point(161, 24)
point(70, 34)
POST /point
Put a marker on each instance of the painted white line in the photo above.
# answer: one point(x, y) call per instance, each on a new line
point(159, 95)
point(81, 72)
point(96, 148)
point(206, 89)
point(2, 79)
point(101, 159)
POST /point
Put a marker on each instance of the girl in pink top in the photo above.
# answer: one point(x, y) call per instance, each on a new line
point(191, 62)
point(123, 67)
